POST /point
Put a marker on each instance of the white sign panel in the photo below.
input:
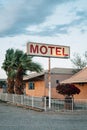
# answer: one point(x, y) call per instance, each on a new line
point(48, 50)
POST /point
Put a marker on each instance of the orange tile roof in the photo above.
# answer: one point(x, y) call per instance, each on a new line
point(79, 77)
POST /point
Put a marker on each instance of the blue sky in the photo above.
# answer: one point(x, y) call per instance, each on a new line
point(59, 22)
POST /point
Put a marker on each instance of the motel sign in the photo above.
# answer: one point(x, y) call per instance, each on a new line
point(47, 50)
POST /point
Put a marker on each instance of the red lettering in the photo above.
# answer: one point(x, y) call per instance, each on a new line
point(51, 49)
point(43, 49)
point(48, 50)
point(64, 52)
point(58, 51)
point(33, 49)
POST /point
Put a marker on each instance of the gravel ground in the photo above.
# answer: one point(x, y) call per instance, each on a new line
point(17, 118)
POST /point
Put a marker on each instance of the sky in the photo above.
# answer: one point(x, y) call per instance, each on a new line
point(58, 22)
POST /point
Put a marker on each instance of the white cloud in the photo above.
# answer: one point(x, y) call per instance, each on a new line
point(16, 16)
point(8, 15)
point(39, 19)
point(61, 15)
point(67, 15)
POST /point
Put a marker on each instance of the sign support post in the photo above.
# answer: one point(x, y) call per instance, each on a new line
point(49, 84)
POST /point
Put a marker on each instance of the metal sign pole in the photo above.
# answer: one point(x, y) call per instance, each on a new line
point(49, 83)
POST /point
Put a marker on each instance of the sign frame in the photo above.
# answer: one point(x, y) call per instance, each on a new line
point(58, 50)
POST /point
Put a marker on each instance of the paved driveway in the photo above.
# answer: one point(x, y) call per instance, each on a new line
point(16, 118)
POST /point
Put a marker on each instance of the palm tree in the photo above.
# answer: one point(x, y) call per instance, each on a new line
point(23, 62)
point(20, 63)
point(7, 66)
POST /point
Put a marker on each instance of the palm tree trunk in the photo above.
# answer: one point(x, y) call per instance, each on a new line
point(10, 87)
point(19, 88)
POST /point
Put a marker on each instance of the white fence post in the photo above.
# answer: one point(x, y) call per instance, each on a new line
point(72, 104)
point(32, 101)
point(13, 98)
point(45, 103)
point(6, 97)
point(22, 99)
point(0, 95)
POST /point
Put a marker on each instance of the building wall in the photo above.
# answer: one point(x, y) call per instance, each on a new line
point(41, 87)
point(81, 96)
point(55, 77)
point(83, 91)
point(54, 94)
point(39, 90)
point(1, 90)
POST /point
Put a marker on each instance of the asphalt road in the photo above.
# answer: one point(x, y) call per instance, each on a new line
point(16, 118)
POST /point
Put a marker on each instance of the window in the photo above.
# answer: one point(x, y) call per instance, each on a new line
point(31, 85)
point(57, 81)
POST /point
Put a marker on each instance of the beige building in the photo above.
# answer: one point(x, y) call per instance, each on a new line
point(80, 81)
point(37, 83)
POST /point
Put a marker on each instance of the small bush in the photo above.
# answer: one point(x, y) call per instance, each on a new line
point(67, 89)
